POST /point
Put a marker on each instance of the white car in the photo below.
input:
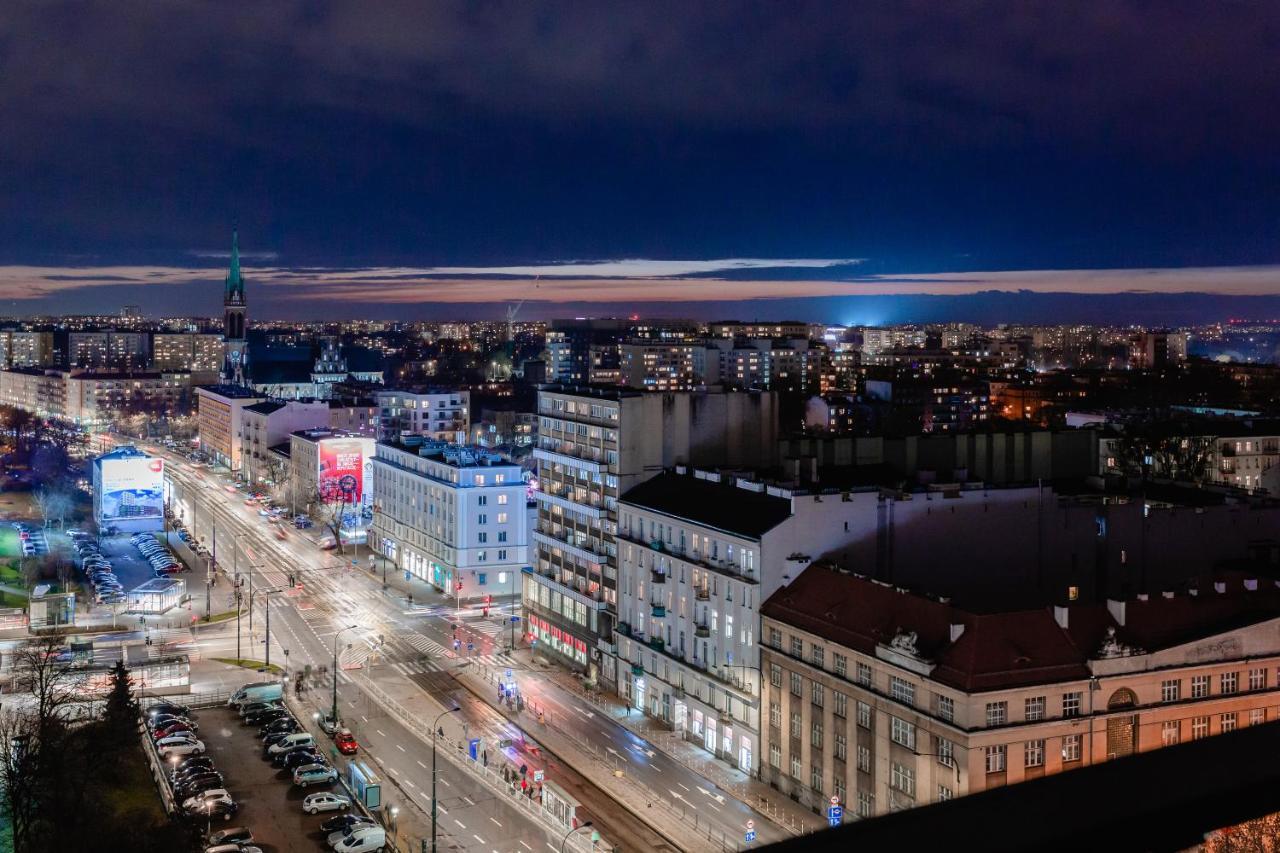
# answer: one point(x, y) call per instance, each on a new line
point(325, 802)
point(180, 746)
point(213, 795)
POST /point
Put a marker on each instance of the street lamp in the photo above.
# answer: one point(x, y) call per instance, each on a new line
point(434, 740)
point(565, 840)
point(267, 591)
point(395, 812)
point(334, 710)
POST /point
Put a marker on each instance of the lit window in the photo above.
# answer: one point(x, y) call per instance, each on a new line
point(1034, 708)
point(1071, 704)
point(1170, 732)
point(995, 756)
point(1033, 754)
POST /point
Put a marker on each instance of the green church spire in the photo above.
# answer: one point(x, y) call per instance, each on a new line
point(235, 284)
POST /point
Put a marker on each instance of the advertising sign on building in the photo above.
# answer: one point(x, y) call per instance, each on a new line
point(131, 489)
point(341, 477)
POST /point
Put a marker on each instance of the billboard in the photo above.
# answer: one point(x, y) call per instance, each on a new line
point(342, 475)
point(131, 488)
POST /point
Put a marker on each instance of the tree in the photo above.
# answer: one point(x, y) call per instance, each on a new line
point(330, 515)
point(1164, 450)
point(120, 716)
point(43, 669)
point(21, 776)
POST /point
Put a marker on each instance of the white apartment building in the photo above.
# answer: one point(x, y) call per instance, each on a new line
point(886, 699)
point(698, 553)
point(193, 351)
point(594, 444)
point(660, 365)
point(36, 390)
point(270, 422)
point(454, 516)
point(439, 414)
point(93, 397)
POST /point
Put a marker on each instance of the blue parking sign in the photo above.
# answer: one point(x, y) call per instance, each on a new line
point(751, 836)
point(834, 814)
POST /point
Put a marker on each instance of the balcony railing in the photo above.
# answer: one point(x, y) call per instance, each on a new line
point(657, 577)
point(659, 610)
point(702, 593)
point(657, 644)
point(702, 631)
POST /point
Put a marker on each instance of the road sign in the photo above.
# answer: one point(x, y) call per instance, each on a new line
point(538, 775)
point(471, 647)
point(834, 813)
point(750, 836)
point(508, 674)
point(835, 801)
point(751, 824)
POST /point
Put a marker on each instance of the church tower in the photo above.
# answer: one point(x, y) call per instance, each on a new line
point(235, 366)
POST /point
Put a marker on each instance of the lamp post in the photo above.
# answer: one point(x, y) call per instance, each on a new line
point(334, 710)
point(565, 840)
point(434, 739)
point(266, 591)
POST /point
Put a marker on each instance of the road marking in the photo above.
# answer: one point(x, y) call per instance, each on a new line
point(399, 747)
point(380, 732)
point(364, 719)
point(686, 787)
point(470, 801)
point(442, 809)
point(495, 821)
point(525, 846)
point(394, 772)
point(445, 782)
point(553, 848)
point(409, 782)
point(423, 766)
point(459, 823)
point(477, 838)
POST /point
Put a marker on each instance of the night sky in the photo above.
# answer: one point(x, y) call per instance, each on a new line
point(904, 160)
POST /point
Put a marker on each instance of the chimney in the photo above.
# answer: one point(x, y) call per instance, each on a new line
point(1061, 616)
point(1219, 587)
point(1116, 608)
point(956, 630)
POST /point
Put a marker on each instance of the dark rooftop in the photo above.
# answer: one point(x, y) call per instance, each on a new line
point(235, 392)
point(721, 505)
point(266, 407)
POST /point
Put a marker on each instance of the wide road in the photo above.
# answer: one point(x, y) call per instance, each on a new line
point(387, 643)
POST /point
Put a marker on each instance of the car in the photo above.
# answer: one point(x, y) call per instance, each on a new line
point(326, 801)
point(232, 835)
point(346, 742)
point(172, 729)
point(344, 821)
point(191, 767)
point(359, 838)
point(159, 721)
point(274, 737)
point(258, 707)
point(193, 761)
point(288, 742)
point(279, 758)
point(267, 715)
point(314, 774)
point(279, 728)
point(197, 785)
point(233, 848)
point(224, 809)
point(180, 747)
point(168, 708)
point(293, 760)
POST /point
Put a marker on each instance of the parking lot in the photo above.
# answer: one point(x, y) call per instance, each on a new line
point(270, 804)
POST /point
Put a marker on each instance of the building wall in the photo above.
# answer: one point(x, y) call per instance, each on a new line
point(834, 711)
point(449, 524)
point(259, 432)
point(438, 415)
point(219, 421)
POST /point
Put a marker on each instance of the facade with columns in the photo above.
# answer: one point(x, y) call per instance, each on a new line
point(888, 699)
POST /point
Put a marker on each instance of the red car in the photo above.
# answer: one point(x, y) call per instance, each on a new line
point(346, 742)
point(170, 730)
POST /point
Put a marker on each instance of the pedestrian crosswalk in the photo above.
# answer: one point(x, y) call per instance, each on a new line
point(419, 654)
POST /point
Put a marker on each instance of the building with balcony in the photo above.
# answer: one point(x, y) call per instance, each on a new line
point(439, 414)
point(220, 410)
point(886, 699)
point(454, 516)
point(594, 444)
point(200, 353)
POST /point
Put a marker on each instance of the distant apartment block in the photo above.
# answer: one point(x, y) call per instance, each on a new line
point(439, 414)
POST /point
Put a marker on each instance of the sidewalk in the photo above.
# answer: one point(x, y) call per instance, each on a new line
point(790, 815)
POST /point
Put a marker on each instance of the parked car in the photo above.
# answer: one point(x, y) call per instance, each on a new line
point(326, 801)
point(266, 715)
point(314, 774)
point(161, 720)
point(168, 708)
point(197, 785)
point(258, 708)
point(362, 839)
point(279, 759)
point(175, 746)
point(282, 726)
point(341, 822)
point(193, 761)
point(171, 730)
point(234, 835)
point(291, 742)
point(301, 758)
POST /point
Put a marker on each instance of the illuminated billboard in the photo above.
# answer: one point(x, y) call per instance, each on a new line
point(130, 488)
point(342, 476)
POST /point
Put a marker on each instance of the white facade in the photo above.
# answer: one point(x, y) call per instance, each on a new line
point(439, 415)
point(451, 516)
point(264, 425)
point(220, 412)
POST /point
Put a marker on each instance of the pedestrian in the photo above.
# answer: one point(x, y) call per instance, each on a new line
point(485, 758)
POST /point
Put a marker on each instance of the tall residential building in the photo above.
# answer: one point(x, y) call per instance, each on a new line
point(569, 349)
point(698, 552)
point(31, 349)
point(434, 413)
point(659, 366)
point(235, 369)
point(887, 699)
point(594, 444)
point(194, 351)
point(220, 415)
point(455, 516)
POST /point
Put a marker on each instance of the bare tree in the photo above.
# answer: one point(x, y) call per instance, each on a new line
point(43, 669)
point(330, 515)
point(21, 776)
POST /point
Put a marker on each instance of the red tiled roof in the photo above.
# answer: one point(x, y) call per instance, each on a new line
point(1012, 648)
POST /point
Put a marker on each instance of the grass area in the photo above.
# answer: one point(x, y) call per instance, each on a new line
point(9, 546)
point(218, 617)
point(9, 573)
point(10, 599)
point(251, 664)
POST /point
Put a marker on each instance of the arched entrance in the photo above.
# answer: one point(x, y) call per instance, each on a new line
point(1122, 729)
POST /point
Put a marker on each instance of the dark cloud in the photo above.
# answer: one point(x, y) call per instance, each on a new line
point(1099, 132)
